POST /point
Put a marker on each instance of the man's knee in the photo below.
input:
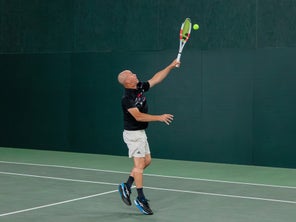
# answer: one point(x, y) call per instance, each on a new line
point(138, 170)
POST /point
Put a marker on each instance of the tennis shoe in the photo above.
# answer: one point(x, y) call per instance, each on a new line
point(125, 194)
point(143, 206)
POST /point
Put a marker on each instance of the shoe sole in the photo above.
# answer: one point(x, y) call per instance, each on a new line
point(141, 209)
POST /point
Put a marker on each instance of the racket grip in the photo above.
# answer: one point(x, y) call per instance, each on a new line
point(178, 59)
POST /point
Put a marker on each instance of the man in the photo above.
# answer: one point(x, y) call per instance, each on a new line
point(136, 118)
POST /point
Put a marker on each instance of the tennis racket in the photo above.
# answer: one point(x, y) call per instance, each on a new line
point(184, 36)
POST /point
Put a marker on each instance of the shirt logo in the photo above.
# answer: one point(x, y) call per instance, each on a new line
point(140, 99)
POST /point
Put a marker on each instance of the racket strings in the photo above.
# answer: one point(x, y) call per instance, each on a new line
point(185, 30)
point(184, 36)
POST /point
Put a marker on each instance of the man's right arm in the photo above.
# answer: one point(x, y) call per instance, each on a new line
point(162, 74)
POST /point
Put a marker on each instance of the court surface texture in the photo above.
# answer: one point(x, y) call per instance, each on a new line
point(56, 186)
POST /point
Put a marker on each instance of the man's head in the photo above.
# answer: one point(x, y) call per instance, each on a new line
point(128, 79)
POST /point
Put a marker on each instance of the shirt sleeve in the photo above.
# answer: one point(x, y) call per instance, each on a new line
point(145, 86)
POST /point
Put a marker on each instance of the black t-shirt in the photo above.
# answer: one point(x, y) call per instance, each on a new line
point(135, 98)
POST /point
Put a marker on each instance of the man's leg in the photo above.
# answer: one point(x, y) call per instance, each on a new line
point(140, 163)
point(137, 172)
point(147, 160)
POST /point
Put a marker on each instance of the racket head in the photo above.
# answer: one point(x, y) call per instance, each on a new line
point(185, 30)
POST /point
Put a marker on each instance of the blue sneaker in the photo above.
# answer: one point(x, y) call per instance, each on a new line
point(143, 206)
point(125, 194)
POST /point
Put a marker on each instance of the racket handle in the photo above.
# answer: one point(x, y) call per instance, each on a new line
point(178, 59)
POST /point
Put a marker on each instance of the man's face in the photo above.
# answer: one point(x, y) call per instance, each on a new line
point(131, 78)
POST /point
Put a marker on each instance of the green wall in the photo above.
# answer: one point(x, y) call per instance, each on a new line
point(274, 107)
point(233, 97)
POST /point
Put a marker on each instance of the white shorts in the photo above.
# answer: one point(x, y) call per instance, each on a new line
point(136, 142)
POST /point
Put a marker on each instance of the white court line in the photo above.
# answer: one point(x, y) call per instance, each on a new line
point(224, 195)
point(161, 189)
point(57, 178)
point(55, 204)
point(152, 175)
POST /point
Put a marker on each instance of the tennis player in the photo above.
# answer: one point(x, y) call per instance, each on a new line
point(136, 118)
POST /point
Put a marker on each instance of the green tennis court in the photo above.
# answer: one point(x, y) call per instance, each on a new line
point(61, 186)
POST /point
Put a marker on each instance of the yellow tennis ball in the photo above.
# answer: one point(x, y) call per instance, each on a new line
point(195, 26)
